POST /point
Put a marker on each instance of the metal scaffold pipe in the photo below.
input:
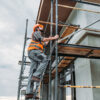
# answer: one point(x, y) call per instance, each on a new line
point(56, 52)
point(22, 65)
point(51, 31)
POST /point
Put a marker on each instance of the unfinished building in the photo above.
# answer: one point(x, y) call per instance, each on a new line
point(73, 72)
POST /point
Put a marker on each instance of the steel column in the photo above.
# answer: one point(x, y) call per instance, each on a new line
point(56, 51)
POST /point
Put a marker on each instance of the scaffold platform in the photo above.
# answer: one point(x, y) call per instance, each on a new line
point(70, 52)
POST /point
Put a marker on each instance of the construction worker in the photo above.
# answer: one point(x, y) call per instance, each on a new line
point(37, 56)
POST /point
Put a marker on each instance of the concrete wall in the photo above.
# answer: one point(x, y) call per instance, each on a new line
point(83, 76)
point(87, 71)
point(83, 18)
point(95, 67)
point(91, 71)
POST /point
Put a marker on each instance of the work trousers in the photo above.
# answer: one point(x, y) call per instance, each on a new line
point(38, 66)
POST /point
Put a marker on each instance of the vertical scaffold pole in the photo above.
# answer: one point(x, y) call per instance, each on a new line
point(22, 65)
point(51, 31)
point(56, 52)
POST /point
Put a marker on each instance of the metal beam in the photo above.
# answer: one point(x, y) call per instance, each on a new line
point(80, 56)
point(85, 2)
point(79, 46)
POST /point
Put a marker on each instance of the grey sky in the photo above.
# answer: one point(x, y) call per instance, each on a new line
point(13, 14)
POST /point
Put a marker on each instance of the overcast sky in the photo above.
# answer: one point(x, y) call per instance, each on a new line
point(13, 14)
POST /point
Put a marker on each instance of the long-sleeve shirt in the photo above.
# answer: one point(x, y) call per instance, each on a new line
point(37, 36)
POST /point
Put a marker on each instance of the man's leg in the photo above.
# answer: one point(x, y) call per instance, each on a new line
point(30, 85)
point(33, 67)
point(42, 66)
point(42, 61)
point(37, 75)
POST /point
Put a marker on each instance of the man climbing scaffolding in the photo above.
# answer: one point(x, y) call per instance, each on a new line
point(37, 56)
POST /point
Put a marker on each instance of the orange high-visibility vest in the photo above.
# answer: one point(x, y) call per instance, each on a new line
point(34, 45)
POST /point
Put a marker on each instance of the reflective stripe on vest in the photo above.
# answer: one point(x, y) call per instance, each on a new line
point(36, 45)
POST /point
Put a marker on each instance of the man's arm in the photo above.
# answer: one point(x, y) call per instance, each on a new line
point(50, 38)
point(39, 37)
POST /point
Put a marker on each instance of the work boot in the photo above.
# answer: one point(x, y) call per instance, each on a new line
point(35, 79)
point(29, 96)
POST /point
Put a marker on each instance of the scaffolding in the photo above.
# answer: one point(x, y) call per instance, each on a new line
point(65, 54)
point(23, 64)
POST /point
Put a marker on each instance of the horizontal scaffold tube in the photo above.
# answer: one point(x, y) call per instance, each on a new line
point(75, 8)
point(88, 29)
point(69, 86)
